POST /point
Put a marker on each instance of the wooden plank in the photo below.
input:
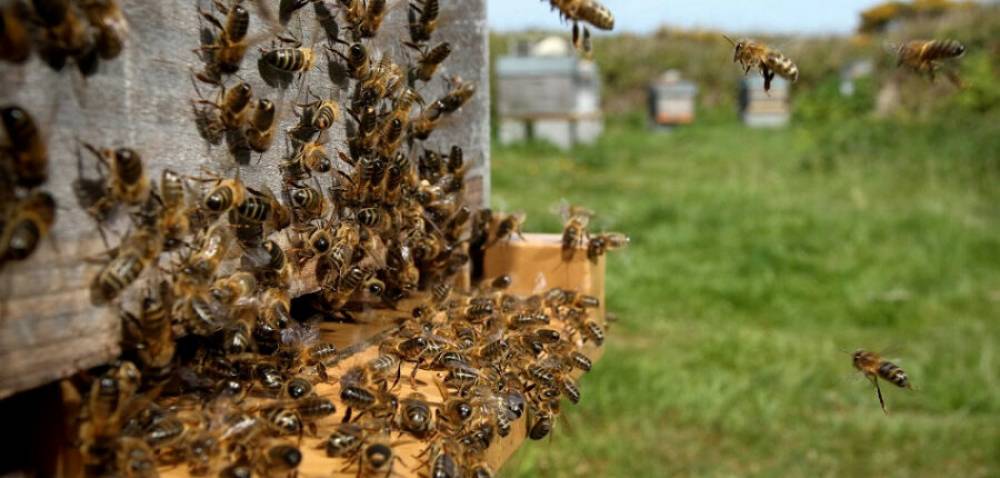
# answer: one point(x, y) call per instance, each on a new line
point(142, 100)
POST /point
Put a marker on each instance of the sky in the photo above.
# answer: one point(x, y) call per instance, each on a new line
point(770, 16)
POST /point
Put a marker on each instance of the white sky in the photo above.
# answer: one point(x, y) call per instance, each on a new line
point(777, 16)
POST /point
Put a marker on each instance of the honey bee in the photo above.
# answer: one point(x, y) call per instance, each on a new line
point(874, 367)
point(279, 458)
point(29, 223)
point(26, 148)
point(135, 458)
point(377, 458)
point(927, 57)
point(429, 61)
point(15, 43)
point(127, 180)
point(323, 113)
point(423, 18)
point(373, 17)
point(752, 54)
point(590, 11)
point(574, 232)
point(112, 27)
point(460, 92)
point(154, 332)
point(507, 228)
point(226, 194)
point(224, 50)
point(260, 133)
point(345, 441)
point(138, 250)
point(64, 35)
point(599, 244)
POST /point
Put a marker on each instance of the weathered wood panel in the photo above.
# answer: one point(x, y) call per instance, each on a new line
point(48, 329)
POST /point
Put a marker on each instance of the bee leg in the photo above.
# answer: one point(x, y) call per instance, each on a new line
point(878, 390)
point(347, 415)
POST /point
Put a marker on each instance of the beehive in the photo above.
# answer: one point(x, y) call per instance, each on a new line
point(549, 94)
point(672, 100)
point(762, 109)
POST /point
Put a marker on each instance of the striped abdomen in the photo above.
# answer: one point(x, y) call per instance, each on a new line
point(596, 14)
point(237, 24)
point(220, 199)
point(115, 277)
point(171, 189)
point(325, 115)
point(128, 164)
point(782, 65)
point(255, 208)
point(891, 372)
point(941, 49)
point(289, 59)
point(263, 115)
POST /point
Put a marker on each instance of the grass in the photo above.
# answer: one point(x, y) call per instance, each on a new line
point(758, 259)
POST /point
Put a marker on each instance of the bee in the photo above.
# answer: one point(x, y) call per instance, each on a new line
point(752, 54)
point(429, 61)
point(460, 92)
point(225, 50)
point(324, 113)
point(507, 228)
point(64, 34)
point(594, 332)
point(175, 222)
point(26, 148)
point(926, 57)
point(279, 458)
point(423, 19)
point(135, 458)
point(290, 60)
point(112, 27)
point(599, 244)
point(15, 43)
point(260, 133)
point(874, 367)
point(29, 223)
point(227, 194)
point(416, 417)
point(306, 203)
point(153, 329)
point(138, 250)
point(310, 158)
point(590, 11)
point(327, 20)
point(574, 232)
point(377, 459)
point(373, 17)
point(345, 441)
point(357, 60)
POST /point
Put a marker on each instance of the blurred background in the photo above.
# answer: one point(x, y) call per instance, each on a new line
point(771, 234)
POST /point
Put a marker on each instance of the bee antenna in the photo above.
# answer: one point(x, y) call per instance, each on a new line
point(730, 39)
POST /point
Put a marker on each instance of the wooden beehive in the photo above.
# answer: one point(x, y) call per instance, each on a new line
point(672, 100)
point(550, 95)
point(48, 328)
point(762, 109)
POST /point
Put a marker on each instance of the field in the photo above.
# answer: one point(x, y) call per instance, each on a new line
point(759, 259)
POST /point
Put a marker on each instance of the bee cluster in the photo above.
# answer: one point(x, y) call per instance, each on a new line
point(218, 376)
point(82, 31)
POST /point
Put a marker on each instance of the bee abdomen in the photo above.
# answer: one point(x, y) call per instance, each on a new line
point(939, 49)
point(891, 372)
point(596, 14)
point(23, 240)
point(286, 59)
point(255, 209)
point(783, 66)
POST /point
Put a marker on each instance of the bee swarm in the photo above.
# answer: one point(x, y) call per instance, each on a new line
point(224, 371)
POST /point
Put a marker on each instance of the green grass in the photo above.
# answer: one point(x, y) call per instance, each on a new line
point(758, 258)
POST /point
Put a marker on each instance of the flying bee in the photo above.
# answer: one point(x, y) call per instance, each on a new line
point(927, 57)
point(752, 54)
point(429, 61)
point(260, 133)
point(599, 244)
point(423, 19)
point(29, 223)
point(874, 367)
point(26, 148)
point(112, 27)
point(15, 42)
point(590, 11)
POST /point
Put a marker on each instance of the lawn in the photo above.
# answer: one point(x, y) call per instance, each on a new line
point(759, 259)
